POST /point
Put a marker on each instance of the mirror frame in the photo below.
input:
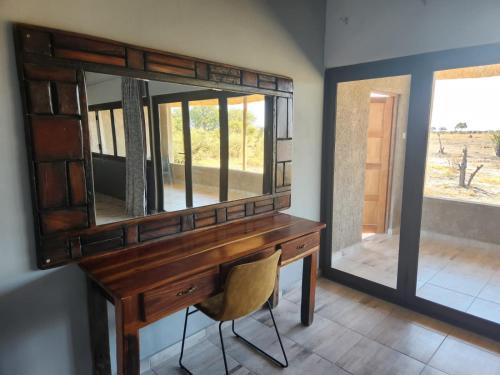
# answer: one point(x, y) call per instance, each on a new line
point(51, 65)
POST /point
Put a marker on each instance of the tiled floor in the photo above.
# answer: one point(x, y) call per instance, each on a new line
point(352, 333)
point(109, 209)
point(458, 273)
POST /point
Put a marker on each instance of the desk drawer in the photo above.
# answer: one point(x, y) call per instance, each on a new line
point(183, 293)
point(294, 249)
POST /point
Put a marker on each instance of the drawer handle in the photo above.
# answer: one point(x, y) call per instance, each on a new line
point(300, 247)
point(192, 289)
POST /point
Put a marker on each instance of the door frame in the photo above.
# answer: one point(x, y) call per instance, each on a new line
point(421, 68)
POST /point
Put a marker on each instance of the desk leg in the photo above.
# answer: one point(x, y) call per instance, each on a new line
point(98, 324)
point(127, 341)
point(309, 288)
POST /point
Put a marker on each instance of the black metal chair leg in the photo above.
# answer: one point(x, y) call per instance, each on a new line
point(183, 341)
point(279, 363)
point(223, 349)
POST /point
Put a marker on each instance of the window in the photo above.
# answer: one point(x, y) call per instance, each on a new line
point(119, 131)
point(246, 133)
point(95, 144)
point(173, 156)
point(246, 123)
point(107, 129)
point(146, 132)
point(204, 127)
point(463, 154)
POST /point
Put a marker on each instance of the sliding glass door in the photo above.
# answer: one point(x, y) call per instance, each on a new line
point(459, 258)
point(411, 183)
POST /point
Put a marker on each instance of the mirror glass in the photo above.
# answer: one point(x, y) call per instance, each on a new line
point(162, 147)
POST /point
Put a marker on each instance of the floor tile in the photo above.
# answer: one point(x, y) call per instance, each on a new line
point(300, 359)
point(408, 338)
point(370, 357)
point(328, 339)
point(286, 314)
point(361, 316)
point(485, 309)
point(491, 292)
point(424, 273)
point(476, 340)
point(495, 278)
point(458, 358)
point(446, 297)
point(422, 320)
point(460, 282)
point(202, 358)
point(428, 370)
point(323, 295)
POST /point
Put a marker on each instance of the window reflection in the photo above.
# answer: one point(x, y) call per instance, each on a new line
point(205, 150)
point(106, 128)
point(246, 122)
point(173, 156)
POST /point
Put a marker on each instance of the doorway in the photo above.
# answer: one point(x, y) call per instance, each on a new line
point(378, 167)
point(371, 122)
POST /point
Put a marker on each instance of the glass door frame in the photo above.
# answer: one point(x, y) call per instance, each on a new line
point(421, 68)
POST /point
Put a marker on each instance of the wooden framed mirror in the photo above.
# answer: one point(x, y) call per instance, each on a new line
point(128, 145)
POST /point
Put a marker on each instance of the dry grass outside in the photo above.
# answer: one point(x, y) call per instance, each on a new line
point(442, 169)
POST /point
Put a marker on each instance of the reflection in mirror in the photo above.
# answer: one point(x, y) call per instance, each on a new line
point(173, 157)
point(159, 146)
point(246, 145)
point(118, 136)
point(204, 127)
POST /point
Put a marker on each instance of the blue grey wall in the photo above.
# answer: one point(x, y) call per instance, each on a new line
point(43, 321)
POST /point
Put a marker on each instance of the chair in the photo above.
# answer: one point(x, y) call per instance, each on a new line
point(247, 288)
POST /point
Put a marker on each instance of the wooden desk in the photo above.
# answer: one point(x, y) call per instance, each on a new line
point(152, 281)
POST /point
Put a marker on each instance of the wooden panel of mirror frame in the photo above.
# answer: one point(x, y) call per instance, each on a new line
point(51, 65)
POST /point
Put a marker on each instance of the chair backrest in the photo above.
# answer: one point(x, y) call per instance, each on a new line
point(248, 286)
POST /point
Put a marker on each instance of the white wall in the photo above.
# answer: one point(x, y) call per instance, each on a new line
point(109, 88)
point(381, 29)
point(43, 327)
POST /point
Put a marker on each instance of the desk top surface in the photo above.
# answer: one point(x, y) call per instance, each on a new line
point(132, 271)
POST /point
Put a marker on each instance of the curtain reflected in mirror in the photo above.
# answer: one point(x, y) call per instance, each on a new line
point(163, 147)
